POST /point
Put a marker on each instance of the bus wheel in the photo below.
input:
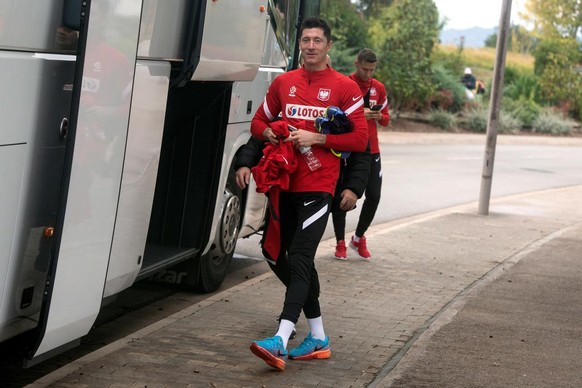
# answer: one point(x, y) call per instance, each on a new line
point(210, 269)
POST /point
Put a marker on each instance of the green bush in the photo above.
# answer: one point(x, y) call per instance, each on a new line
point(510, 75)
point(523, 85)
point(509, 123)
point(526, 110)
point(559, 81)
point(552, 124)
point(443, 119)
point(476, 120)
point(451, 92)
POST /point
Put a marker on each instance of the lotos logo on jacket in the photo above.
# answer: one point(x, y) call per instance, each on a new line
point(303, 112)
point(323, 94)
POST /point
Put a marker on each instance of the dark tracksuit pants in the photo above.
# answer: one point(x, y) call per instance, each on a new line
point(373, 192)
point(303, 220)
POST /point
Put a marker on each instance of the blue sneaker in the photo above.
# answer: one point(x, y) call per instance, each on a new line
point(311, 348)
point(271, 350)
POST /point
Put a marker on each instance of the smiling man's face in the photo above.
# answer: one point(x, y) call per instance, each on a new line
point(314, 48)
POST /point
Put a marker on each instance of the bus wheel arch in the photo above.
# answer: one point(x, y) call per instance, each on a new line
point(207, 271)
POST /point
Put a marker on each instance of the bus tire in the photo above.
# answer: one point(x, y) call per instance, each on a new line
point(210, 269)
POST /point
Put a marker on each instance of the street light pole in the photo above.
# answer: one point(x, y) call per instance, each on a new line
point(494, 108)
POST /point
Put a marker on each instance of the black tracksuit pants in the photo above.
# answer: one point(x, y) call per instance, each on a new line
point(373, 192)
point(303, 220)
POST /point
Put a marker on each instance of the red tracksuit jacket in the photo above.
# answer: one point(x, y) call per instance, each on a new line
point(377, 97)
point(300, 96)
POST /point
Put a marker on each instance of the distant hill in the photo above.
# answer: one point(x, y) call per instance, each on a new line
point(474, 37)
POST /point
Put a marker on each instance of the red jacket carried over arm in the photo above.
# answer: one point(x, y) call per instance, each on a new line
point(272, 175)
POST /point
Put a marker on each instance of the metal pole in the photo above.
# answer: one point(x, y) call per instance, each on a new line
point(494, 108)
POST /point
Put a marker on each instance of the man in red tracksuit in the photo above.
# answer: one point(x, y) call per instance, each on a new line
point(376, 111)
point(300, 96)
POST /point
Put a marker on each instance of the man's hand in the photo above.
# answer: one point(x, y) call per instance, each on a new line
point(303, 138)
point(372, 114)
point(269, 134)
point(243, 177)
point(349, 199)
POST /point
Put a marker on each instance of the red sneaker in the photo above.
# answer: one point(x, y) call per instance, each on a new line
point(361, 247)
point(340, 251)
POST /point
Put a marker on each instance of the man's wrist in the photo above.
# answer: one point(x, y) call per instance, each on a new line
point(320, 139)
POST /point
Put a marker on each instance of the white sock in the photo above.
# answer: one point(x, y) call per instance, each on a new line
point(356, 238)
point(285, 329)
point(316, 328)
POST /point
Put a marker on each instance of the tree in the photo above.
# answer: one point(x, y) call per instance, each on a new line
point(548, 50)
point(349, 32)
point(555, 18)
point(370, 7)
point(556, 62)
point(491, 40)
point(404, 36)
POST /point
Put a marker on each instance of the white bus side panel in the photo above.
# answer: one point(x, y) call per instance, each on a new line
point(31, 25)
point(19, 95)
point(96, 172)
point(246, 98)
point(162, 22)
point(144, 139)
point(233, 40)
point(36, 98)
point(273, 62)
point(11, 166)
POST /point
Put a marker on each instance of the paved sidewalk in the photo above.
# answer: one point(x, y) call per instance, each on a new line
point(521, 330)
point(382, 315)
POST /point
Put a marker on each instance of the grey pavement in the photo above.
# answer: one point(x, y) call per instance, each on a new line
point(449, 299)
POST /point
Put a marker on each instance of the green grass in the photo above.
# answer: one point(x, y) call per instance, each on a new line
point(482, 60)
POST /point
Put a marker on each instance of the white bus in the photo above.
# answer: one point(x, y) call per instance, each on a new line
point(120, 120)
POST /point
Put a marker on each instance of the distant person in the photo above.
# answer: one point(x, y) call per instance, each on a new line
point(469, 79)
point(470, 83)
point(376, 111)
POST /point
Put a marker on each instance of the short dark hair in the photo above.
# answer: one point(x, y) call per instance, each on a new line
point(367, 55)
point(316, 22)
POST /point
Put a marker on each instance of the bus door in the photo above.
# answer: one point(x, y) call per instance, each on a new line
point(102, 93)
point(37, 62)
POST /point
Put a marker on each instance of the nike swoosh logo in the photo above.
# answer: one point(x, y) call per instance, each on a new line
point(355, 98)
point(308, 203)
point(318, 348)
point(377, 159)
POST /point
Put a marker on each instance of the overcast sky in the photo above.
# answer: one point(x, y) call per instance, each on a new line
point(463, 14)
